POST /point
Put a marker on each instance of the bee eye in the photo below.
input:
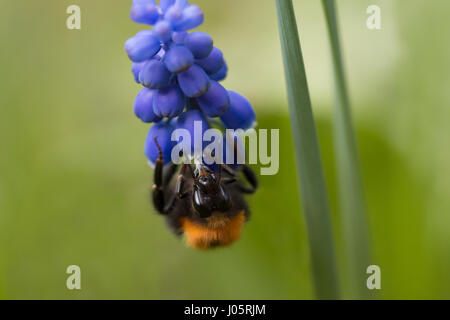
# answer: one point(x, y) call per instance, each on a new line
point(200, 187)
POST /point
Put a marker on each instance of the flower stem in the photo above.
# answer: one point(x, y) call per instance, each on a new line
point(351, 194)
point(311, 179)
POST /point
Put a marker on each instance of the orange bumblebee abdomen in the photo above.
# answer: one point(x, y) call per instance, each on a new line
point(218, 231)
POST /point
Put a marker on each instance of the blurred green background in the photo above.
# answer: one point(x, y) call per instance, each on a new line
point(74, 182)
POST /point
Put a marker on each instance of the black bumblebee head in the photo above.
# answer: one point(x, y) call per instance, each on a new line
point(209, 194)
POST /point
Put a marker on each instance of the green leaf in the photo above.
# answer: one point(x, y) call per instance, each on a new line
point(311, 179)
point(351, 194)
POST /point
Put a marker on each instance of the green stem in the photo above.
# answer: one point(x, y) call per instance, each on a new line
point(309, 165)
point(351, 194)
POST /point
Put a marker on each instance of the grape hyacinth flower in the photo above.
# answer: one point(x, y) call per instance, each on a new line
point(143, 106)
point(180, 73)
point(240, 115)
point(160, 132)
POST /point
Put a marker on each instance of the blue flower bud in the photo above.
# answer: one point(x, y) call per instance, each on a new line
point(166, 4)
point(178, 59)
point(174, 15)
point(163, 30)
point(143, 106)
point(162, 131)
point(178, 37)
point(144, 11)
point(194, 82)
point(192, 17)
point(215, 102)
point(182, 3)
point(154, 75)
point(200, 44)
point(143, 46)
point(168, 102)
point(188, 120)
point(240, 115)
point(213, 63)
point(221, 75)
point(136, 69)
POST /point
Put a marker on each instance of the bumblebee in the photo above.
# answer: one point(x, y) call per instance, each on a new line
point(206, 206)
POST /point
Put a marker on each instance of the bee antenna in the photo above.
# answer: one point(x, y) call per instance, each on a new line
point(158, 146)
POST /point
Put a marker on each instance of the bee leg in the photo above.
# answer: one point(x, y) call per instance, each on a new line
point(229, 180)
point(179, 194)
point(179, 187)
point(167, 178)
point(158, 186)
point(169, 173)
point(251, 178)
point(228, 170)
